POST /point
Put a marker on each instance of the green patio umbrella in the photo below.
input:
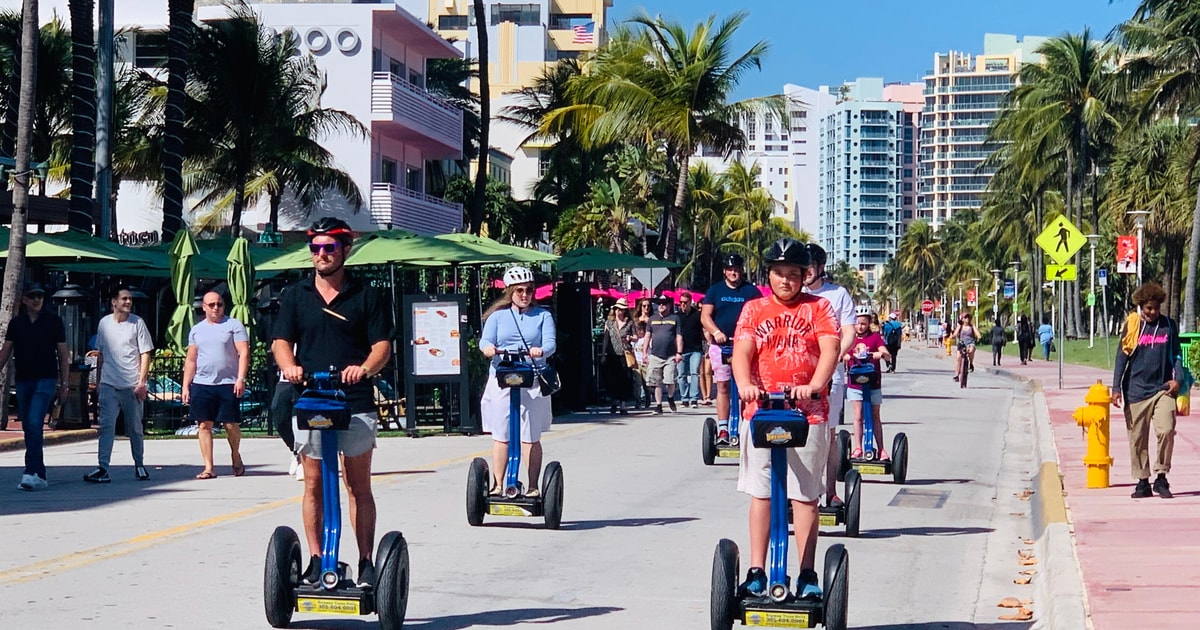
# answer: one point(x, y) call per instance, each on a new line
point(241, 284)
point(66, 246)
point(491, 248)
point(596, 259)
point(183, 286)
point(392, 247)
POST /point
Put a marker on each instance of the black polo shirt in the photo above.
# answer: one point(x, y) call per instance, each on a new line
point(34, 344)
point(336, 334)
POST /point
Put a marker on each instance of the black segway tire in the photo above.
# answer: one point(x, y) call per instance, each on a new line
point(900, 458)
point(843, 446)
point(708, 442)
point(552, 495)
point(853, 502)
point(281, 575)
point(724, 585)
point(836, 593)
point(478, 484)
point(391, 592)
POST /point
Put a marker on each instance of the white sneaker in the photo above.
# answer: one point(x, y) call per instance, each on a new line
point(31, 482)
point(38, 482)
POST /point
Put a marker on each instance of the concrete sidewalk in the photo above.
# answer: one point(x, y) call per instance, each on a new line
point(1139, 558)
point(13, 438)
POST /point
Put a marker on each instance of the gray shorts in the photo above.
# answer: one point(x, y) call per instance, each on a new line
point(354, 441)
point(806, 466)
point(660, 371)
point(857, 395)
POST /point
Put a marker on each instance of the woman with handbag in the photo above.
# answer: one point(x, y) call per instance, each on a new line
point(618, 357)
point(515, 322)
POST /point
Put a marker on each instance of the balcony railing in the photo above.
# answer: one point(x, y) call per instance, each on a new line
point(395, 100)
point(396, 206)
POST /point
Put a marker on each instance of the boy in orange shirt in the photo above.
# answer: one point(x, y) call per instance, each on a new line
point(786, 342)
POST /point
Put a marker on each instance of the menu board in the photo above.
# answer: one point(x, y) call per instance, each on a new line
point(435, 341)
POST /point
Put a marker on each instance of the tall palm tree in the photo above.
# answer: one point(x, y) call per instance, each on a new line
point(920, 255)
point(450, 80)
point(52, 114)
point(14, 267)
point(83, 114)
point(750, 220)
point(485, 119)
point(178, 36)
point(705, 214)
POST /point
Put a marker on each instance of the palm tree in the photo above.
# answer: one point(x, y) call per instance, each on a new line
point(52, 115)
point(750, 220)
point(178, 36)
point(14, 267)
point(83, 114)
point(851, 279)
point(450, 80)
point(485, 119)
point(920, 255)
point(706, 214)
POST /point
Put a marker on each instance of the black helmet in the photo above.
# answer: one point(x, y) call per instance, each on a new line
point(732, 260)
point(332, 226)
point(789, 251)
point(817, 253)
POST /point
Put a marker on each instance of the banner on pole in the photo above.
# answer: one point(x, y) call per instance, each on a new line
point(1127, 254)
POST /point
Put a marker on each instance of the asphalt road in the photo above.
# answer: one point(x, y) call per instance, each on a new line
point(641, 519)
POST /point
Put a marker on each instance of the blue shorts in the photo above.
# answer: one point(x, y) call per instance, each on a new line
point(213, 403)
point(857, 395)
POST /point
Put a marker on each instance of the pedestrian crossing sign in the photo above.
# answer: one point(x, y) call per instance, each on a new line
point(1062, 273)
point(1060, 240)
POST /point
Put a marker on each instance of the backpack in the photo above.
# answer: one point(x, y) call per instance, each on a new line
point(892, 337)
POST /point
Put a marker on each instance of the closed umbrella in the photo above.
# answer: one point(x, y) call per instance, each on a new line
point(240, 277)
point(183, 286)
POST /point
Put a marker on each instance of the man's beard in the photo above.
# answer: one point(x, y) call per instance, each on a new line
point(332, 271)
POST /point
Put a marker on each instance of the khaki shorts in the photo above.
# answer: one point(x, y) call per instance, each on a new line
point(660, 371)
point(806, 466)
point(354, 441)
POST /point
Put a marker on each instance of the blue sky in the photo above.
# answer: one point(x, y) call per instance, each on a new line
point(820, 42)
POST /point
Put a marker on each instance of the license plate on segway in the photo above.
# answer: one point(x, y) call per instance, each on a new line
point(519, 506)
point(831, 516)
point(795, 614)
point(871, 468)
point(347, 600)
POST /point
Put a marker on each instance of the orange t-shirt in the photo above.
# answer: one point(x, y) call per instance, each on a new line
point(786, 343)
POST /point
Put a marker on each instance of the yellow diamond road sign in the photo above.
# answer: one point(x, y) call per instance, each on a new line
point(1062, 273)
point(1060, 240)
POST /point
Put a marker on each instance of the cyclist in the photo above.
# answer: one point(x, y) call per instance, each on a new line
point(719, 311)
point(869, 347)
point(787, 342)
point(965, 334)
point(843, 306)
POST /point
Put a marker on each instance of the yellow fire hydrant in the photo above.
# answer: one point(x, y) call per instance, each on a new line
point(949, 344)
point(1094, 419)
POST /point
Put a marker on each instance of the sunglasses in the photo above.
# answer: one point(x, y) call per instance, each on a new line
point(523, 290)
point(214, 304)
point(324, 248)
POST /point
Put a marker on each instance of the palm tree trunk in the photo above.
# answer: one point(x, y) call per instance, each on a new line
point(1188, 322)
point(239, 204)
point(83, 115)
point(276, 201)
point(670, 240)
point(177, 69)
point(12, 100)
point(485, 119)
point(1036, 309)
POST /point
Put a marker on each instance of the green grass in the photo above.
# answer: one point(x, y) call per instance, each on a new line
point(1075, 352)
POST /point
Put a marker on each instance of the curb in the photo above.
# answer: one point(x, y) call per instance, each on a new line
point(51, 438)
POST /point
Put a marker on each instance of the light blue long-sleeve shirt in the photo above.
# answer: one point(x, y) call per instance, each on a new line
point(501, 331)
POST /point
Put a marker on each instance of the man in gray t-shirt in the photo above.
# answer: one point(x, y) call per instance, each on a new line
point(214, 379)
point(664, 345)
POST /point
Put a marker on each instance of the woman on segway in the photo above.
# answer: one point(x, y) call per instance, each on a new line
point(515, 322)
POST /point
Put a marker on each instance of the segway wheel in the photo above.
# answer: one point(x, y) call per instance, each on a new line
point(281, 575)
point(843, 446)
point(552, 495)
point(478, 480)
point(853, 502)
point(900, 458)
point(708, 442)
point(837, 587)
point(391, 593)
point(724, 585)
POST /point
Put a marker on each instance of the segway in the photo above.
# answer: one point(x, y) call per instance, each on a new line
point(869, 463)
point(710, 446)
point(847, 513)
point(323, 407)
point(514, 372)
point(778, 429)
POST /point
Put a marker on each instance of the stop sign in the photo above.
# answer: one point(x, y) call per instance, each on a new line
point(927, 307)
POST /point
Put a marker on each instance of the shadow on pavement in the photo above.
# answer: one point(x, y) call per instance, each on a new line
point(916, 397)
point(495, 618)
point(932, 482)
point(576, 526)
point(951, 625)
point(924, 531)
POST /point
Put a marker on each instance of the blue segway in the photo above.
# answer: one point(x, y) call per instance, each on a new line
point(322, 406)
point(869, 463)
point(514, 372)
point(711, 446)
point(778, 429)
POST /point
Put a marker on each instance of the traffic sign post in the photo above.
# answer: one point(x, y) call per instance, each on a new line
point(1102, 277)
point(927, 307)
point(1062, 273)
point(1061, 240)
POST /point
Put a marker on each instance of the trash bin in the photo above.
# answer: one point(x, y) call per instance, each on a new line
point(76, 412)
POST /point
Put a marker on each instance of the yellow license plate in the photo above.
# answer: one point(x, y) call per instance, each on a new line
point(503, 509)
point(323, 606)
point(777, 619)
point(829, 520)
point(871, 469)
point(731, 453)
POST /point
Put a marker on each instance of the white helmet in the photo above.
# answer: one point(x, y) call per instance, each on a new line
point(863, 309)
point(517, 275)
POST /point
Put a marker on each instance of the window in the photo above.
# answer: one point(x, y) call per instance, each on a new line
point(543, 163)
point(387, 171)
point(521, 14)
point(453, 22)
point(557, 55)
point(908, 172)
point(150, 49)
point(416, 78)
point(413, 179)
point(568, 21)
point(398, 69)
point(908, 202)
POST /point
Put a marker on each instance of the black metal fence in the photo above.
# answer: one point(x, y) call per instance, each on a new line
point(164, 410)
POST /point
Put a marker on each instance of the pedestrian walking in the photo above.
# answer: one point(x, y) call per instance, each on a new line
point(1147, 376)
point(1045, 334)
point(664, 352)
point(893, 335)
point(124, 345)
point(214, 380)
point(37, 341)
point(999, 339)
point(618, 358)
point(692, 331)
point(1025, 336)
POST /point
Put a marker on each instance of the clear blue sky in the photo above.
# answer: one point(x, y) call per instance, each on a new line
point(822, 42)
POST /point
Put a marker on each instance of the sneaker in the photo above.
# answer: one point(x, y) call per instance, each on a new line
point(755, 584)
point(658, 410)
point(532, 493)
point(366, 573)
point(1162, 487)
point(671, 404)
point(955, 377)
point(723, 436)
point(706, 403)
point(312, 575)
point(100, 475)
point(835, 502)
point(806, 585)
point(1143, 489)
point(141, 473)
point(26, 482)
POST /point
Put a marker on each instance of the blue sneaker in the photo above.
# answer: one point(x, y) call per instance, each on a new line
point(806, 585)
point(755, 584)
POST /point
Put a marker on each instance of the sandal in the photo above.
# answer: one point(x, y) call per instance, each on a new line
point(857, 454)
point(494, 490)
point(532, 493)
point(239, 468)
point(883, 456)
point(207, 474)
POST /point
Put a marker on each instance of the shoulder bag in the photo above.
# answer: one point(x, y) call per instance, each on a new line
point(548, 381)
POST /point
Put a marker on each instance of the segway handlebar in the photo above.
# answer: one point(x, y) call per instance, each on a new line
point(782, 400)
point(519, 354)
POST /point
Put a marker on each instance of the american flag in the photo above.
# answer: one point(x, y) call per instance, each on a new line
point(584, 34)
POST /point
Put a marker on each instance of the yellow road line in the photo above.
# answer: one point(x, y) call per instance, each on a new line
point(77, 559)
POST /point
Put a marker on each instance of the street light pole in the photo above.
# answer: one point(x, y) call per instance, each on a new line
point(996, 293)
point(1016, 265)
point(1139, 220)
point(1092, 238)
point(976, 281)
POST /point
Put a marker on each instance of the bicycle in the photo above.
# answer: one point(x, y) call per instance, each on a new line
point(964, 364)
